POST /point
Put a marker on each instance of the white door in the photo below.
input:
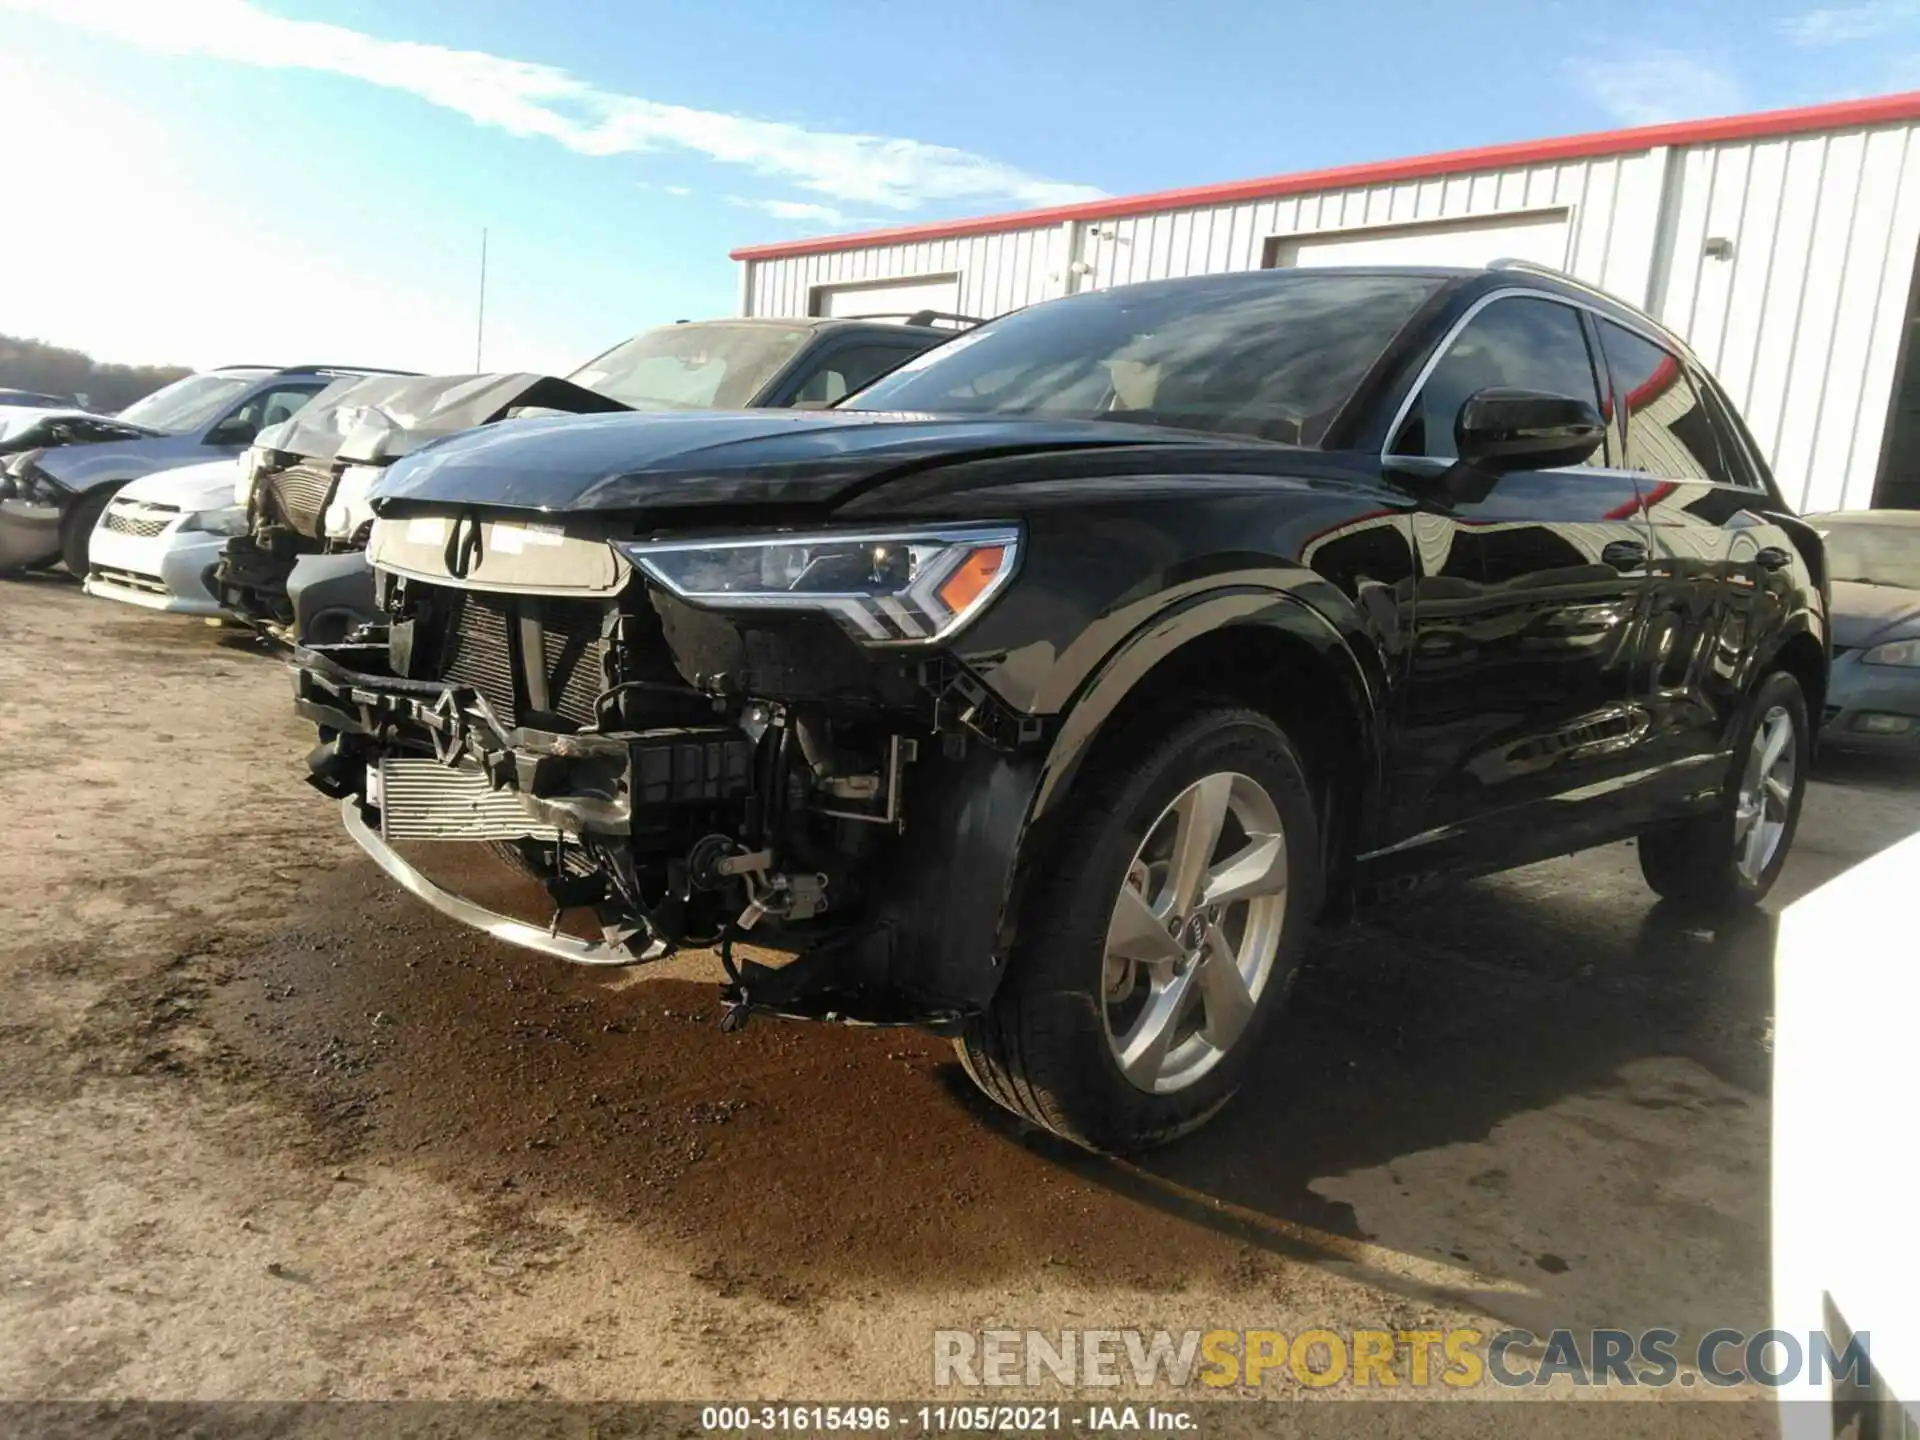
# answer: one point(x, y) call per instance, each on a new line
point(1539, 237)
point(894, 299)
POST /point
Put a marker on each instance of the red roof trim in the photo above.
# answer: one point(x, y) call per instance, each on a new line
point(1847, 114)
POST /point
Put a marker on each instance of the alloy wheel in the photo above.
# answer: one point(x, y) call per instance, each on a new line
point(1765, 801)
point(1194, 932)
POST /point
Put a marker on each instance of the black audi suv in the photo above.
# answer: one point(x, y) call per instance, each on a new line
point(1047, 691)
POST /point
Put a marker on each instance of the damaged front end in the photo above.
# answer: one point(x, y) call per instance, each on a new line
point(306, 483)
point(696, 744)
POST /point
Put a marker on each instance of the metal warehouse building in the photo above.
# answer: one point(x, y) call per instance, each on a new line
point(1781, 245)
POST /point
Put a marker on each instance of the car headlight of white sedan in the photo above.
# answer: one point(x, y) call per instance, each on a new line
point(232, 520)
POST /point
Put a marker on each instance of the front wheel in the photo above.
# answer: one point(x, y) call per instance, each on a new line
point(76, 532)
point(1160, 940)
point(1729, 858)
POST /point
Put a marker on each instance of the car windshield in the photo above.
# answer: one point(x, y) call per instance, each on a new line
point(187, 404)
point(692, 367)
point(1272, 356)
point(1873, 554)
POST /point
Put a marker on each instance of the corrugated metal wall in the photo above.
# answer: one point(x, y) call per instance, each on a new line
point(1801, 321)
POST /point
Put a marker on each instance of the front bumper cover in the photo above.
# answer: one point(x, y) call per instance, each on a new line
point(1856, 691)
point(29, 533)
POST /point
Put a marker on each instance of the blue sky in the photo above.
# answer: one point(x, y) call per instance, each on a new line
point(289, 180)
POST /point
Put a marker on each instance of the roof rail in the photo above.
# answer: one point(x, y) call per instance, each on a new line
point(922, 318)
point(341, 370)
point(1514, 262)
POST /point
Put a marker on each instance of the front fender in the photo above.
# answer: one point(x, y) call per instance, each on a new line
point(962, 900)
point(1116, 678)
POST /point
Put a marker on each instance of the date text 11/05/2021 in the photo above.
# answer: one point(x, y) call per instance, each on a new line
point(947, 1419)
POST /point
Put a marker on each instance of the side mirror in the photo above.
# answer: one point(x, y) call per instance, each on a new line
point(1502, 429)
point(235, 430)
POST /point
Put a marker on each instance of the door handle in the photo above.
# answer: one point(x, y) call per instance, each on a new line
point(1624, 554)
point(1772, 557)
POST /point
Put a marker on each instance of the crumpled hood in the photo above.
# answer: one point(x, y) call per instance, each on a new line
point(651, 461)
point(1873, 614)
point(382, 417)
point(191, 488)
point(45, 429)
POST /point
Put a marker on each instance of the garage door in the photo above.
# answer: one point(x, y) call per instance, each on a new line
point(1540, 237)
point(893, 298)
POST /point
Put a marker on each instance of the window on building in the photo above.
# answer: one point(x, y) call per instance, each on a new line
point(1521, 342)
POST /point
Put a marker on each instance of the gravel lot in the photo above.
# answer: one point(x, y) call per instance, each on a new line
point(269, 1129)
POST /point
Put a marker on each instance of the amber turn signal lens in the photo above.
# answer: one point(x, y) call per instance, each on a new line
point(976, 572)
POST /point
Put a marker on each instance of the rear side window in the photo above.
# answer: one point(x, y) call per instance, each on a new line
point(1734, 455)
point(1669, 434)
point(851, 369)
point(1517, 342)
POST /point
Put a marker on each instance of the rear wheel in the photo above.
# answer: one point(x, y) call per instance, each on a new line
point(1161, 940)
point(1729, 859)
point(76, 531)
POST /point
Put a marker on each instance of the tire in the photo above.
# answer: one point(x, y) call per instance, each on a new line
point(1723, 861)
point(1050, 1046)
point(76, 531)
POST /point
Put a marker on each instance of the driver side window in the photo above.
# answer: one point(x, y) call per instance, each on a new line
point(1520, 342)
point(268, 407)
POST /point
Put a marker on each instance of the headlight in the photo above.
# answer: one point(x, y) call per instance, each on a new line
point(230, 521)
point(1894, 652)
point(892, 587)
point(249, 463)
point(349, 510)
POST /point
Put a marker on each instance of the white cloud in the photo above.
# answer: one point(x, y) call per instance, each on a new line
point(792, 210)
point(1651, 86)
point(681, 190)
point(543, 101)
point(1844, 23)
point(188, 289)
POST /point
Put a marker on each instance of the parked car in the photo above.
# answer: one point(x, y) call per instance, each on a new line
point(301, 567)
point(36, 400)
point(68, 466)
point(1873, 560)
point(160, 536)
point(1049, 693)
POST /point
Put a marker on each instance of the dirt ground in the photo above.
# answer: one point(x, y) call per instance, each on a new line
point(271, 1129)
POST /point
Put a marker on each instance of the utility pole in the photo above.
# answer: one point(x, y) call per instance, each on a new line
point(480, 325)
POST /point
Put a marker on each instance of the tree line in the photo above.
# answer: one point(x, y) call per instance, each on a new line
point(55, 370)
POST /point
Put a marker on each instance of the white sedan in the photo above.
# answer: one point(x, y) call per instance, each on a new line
point(159, 538)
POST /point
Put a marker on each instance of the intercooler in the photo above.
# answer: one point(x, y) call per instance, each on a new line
point(297, 496)
point(422, 799)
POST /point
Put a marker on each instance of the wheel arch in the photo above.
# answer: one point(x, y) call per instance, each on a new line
point(1803, 655)
point(1243, 645)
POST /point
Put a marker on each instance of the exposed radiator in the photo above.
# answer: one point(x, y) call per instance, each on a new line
point(479, 655)
point(482, 652)
point(422, 799)
point(297, 496)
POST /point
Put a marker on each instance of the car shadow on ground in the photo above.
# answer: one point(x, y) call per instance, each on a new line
point(1472, 1070)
